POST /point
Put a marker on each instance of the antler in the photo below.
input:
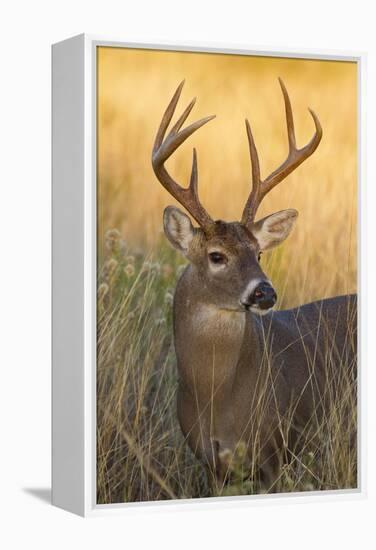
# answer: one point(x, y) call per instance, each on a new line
point(294, 158)
point(163, 149)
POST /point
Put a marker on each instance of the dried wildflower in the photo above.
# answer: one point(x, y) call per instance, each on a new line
point(241, 450)
point(130, 259)
point(110, 266)
point(112, 238)
point(113, 234)
point(226, 457)
point(166, 271)
point(169, 297)
point(156, 267)
point(102, 291)
point(129, 270)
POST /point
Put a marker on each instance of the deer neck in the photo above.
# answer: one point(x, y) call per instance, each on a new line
point(209, 340)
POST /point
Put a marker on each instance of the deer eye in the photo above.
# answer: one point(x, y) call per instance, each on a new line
point(217, 258)
point(259, 256)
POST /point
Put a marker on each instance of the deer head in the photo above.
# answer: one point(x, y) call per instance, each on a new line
point(226, 255)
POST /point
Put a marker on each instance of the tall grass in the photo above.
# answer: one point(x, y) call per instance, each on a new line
point(141, 454)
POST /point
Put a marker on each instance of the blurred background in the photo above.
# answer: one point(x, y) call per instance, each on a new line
point(134, 87)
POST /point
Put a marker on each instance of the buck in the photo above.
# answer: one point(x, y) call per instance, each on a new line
point(225, 329)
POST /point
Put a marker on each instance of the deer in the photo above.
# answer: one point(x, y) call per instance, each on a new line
point(225, 325)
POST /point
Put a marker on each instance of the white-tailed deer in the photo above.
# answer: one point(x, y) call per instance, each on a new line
point(249, 377)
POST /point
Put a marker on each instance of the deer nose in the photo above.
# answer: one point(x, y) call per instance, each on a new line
point(263, 297)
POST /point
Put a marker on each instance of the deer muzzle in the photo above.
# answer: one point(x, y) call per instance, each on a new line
point(263, 297)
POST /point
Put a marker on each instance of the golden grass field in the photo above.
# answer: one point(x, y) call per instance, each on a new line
point(141, 453)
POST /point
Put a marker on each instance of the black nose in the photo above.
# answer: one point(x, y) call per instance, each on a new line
point(263, 296)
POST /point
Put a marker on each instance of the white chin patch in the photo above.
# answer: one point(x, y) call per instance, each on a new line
point(260, 311)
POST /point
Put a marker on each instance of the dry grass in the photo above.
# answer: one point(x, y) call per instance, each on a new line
point(141, 452)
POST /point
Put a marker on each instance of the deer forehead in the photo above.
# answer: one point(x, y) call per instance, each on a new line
point(229, 236)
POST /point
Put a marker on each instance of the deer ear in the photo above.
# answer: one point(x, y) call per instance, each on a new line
point(178, 228)
point(274, 229)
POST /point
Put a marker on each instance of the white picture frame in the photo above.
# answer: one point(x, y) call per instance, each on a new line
point(74, 276)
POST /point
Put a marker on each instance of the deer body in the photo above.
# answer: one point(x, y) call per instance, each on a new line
point(249, 376)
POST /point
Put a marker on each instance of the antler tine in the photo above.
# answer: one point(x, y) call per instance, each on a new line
point(253, 199)
point(166, 119)
point(289, 116)
point(193, 184)
point(294, 158)
point(163, 149)
point(179, 123)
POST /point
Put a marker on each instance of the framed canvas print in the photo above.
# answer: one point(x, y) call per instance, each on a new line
point(206, 275)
